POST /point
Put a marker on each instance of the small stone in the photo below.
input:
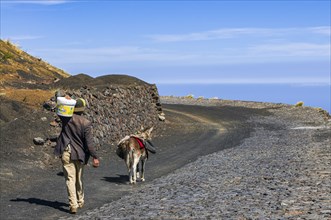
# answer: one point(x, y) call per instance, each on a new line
point(53, 138)
point(38, 141)
point(54, 124)
point(161, 117)
point(53, 144)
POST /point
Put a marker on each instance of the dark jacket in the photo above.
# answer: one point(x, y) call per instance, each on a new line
point(76, 131)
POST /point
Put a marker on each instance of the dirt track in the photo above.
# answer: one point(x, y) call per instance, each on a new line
point(189, 132)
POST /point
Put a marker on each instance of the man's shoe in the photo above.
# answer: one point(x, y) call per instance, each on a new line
point(73, 210)
point(80, 205)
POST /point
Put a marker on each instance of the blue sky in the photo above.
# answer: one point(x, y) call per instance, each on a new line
point(178, 42)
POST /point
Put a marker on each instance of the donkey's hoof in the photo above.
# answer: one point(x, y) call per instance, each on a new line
point(142, 179)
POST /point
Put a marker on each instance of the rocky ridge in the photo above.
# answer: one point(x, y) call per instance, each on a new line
point(116, 110)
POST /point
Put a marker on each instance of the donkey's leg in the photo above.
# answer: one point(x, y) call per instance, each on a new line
point(138, 170)
point(143, 162)
point(128, 165)
point(134, 174)
point(134, 166)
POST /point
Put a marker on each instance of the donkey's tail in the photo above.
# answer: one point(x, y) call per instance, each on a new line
point(124, 139)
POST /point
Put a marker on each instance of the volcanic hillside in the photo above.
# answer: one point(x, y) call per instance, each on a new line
point(23, 71)
point(24, 81)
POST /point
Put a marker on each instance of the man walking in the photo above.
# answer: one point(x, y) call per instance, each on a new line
point(75, 146)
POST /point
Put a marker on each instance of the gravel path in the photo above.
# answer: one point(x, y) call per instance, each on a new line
point(282, 171)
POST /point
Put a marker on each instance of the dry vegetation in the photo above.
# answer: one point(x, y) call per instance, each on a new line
point(24, 78)
point(17, 65)
point(33, 98)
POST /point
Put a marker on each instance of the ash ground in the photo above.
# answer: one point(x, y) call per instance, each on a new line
point(224, 161)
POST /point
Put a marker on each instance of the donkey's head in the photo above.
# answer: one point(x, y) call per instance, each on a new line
point(146, 133)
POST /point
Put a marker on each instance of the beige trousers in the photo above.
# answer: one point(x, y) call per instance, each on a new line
point(73, 171)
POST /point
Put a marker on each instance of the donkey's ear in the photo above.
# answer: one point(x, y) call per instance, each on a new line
point(150, 130)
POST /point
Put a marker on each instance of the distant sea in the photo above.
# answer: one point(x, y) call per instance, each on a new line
point(311, 95)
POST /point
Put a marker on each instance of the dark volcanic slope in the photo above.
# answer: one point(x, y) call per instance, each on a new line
point(189, 132)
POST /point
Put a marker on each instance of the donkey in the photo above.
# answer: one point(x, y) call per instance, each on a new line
point(133, 150)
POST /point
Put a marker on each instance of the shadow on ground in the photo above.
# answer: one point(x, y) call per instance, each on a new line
point(53, 204)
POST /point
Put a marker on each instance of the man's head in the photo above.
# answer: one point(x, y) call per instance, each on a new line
point(80, 106)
